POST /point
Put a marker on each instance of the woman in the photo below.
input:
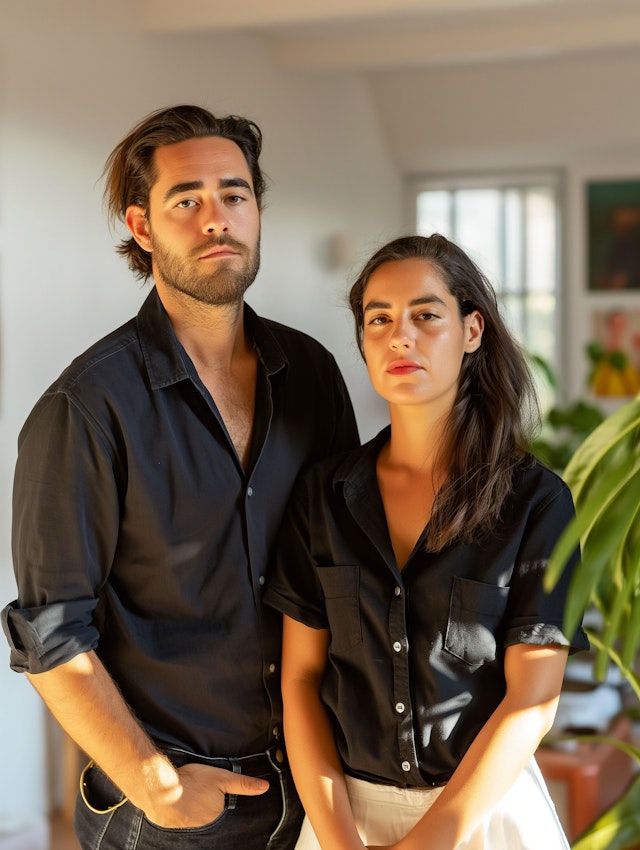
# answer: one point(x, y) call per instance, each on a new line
point(422, 660)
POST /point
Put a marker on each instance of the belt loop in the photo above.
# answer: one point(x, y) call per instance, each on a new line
point(232, 799)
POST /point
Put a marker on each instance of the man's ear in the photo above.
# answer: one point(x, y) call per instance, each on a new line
point(136, 220)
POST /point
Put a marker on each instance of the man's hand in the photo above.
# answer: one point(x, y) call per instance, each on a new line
point(198, 799)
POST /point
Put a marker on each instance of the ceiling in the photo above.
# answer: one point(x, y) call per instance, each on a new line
point(383, 34)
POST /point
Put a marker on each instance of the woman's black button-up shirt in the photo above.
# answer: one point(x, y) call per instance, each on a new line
point(415, 663)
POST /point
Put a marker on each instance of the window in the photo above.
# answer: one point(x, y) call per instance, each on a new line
point(510, 227)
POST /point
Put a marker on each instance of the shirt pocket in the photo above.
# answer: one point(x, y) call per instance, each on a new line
point(342, 599)
point(476, 611)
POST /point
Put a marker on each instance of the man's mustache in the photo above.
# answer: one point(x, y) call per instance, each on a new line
point(219, 241)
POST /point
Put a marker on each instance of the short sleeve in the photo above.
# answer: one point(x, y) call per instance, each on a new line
point(535, 616)
point(293, 587)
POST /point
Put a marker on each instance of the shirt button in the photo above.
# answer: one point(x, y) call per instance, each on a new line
point(399, 707)
point(279, 756)
point(276, 732)
point(406, 766)
point(249, 491)
point(261, 581)
point(272, 668)
point(397, 646)
point(398, 591)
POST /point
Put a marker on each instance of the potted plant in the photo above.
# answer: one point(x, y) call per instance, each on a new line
point(604, 477)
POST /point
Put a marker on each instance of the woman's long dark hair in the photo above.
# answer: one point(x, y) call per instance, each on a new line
point(488, 433)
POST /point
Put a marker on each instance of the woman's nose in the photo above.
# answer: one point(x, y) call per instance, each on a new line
point(401, 337)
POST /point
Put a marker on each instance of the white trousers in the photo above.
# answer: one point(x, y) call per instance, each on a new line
point(525, 818)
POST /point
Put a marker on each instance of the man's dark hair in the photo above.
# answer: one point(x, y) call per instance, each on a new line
point(129, 171)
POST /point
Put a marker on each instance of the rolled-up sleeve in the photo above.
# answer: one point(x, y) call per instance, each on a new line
point(535, 616)
point(64, 534)
point(44, 637)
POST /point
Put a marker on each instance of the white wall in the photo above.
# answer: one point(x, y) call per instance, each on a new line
point(74, 77)
point(577, 114)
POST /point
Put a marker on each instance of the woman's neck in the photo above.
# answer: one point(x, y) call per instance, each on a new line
point(416, 439)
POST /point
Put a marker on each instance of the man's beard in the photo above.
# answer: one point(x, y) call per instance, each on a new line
point(221, 284)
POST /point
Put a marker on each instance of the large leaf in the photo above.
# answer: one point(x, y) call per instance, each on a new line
point(618, 828)
point(618, 427)
point(604, 476)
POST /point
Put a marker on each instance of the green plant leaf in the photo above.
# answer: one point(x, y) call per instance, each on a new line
point(607, 510)
point(541, 364)
point(617, 428)
point(631, 639)
point(618, 828)
point(627, 672)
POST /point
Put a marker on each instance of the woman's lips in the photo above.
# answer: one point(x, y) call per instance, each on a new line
point(403, 367)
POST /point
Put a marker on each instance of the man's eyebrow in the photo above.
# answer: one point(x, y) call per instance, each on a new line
point(415, 302)
point(223, 183)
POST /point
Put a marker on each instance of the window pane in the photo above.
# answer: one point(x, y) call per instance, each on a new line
point(510, 230)
point(434, 213)
point(513, 241)
point(513, 313)
point(540, 324)
point(478, 229)
point(541, 240)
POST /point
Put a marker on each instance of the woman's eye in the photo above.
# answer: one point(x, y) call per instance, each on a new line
point(425, 317)
point(378, 320)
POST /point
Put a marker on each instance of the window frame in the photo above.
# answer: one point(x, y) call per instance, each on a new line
point(503, 180)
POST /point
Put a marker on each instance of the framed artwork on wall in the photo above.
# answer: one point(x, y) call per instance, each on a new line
point(613, 211)
point(614, 352)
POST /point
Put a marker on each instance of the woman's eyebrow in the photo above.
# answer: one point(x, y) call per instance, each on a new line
point(415, 302)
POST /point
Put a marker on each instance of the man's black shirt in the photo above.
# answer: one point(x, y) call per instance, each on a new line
point(137, 532)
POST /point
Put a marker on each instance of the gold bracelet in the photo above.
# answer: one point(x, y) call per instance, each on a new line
point(84, 796)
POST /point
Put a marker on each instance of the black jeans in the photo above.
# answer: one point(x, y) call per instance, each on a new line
point(269, 821)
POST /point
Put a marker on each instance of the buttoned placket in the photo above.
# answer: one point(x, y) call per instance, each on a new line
point(271, 654)
point(401, 686)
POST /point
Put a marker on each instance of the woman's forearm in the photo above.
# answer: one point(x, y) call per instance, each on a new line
point(315, 763)
point(316, 768)
point(499, 753)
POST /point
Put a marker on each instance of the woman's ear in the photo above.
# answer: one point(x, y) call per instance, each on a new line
point(138, 224)
point(473, 328)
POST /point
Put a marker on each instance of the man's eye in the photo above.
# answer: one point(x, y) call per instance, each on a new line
point(186, 204)
point(235, 199)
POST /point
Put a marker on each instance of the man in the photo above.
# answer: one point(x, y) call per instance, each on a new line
point(150, 483)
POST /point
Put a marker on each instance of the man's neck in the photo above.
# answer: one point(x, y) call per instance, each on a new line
point(224, 358)
point(213, 336)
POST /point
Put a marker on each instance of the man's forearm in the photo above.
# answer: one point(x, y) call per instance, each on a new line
point(86, 702)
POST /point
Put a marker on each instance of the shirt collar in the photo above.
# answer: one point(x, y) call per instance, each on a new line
point(359, 482)
point(358, 476)
point(165, 358)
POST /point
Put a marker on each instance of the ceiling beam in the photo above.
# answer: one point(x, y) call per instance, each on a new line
point(439, 45)
point(200, 15)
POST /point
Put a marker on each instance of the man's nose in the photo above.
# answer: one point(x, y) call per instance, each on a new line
point(214, 219)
